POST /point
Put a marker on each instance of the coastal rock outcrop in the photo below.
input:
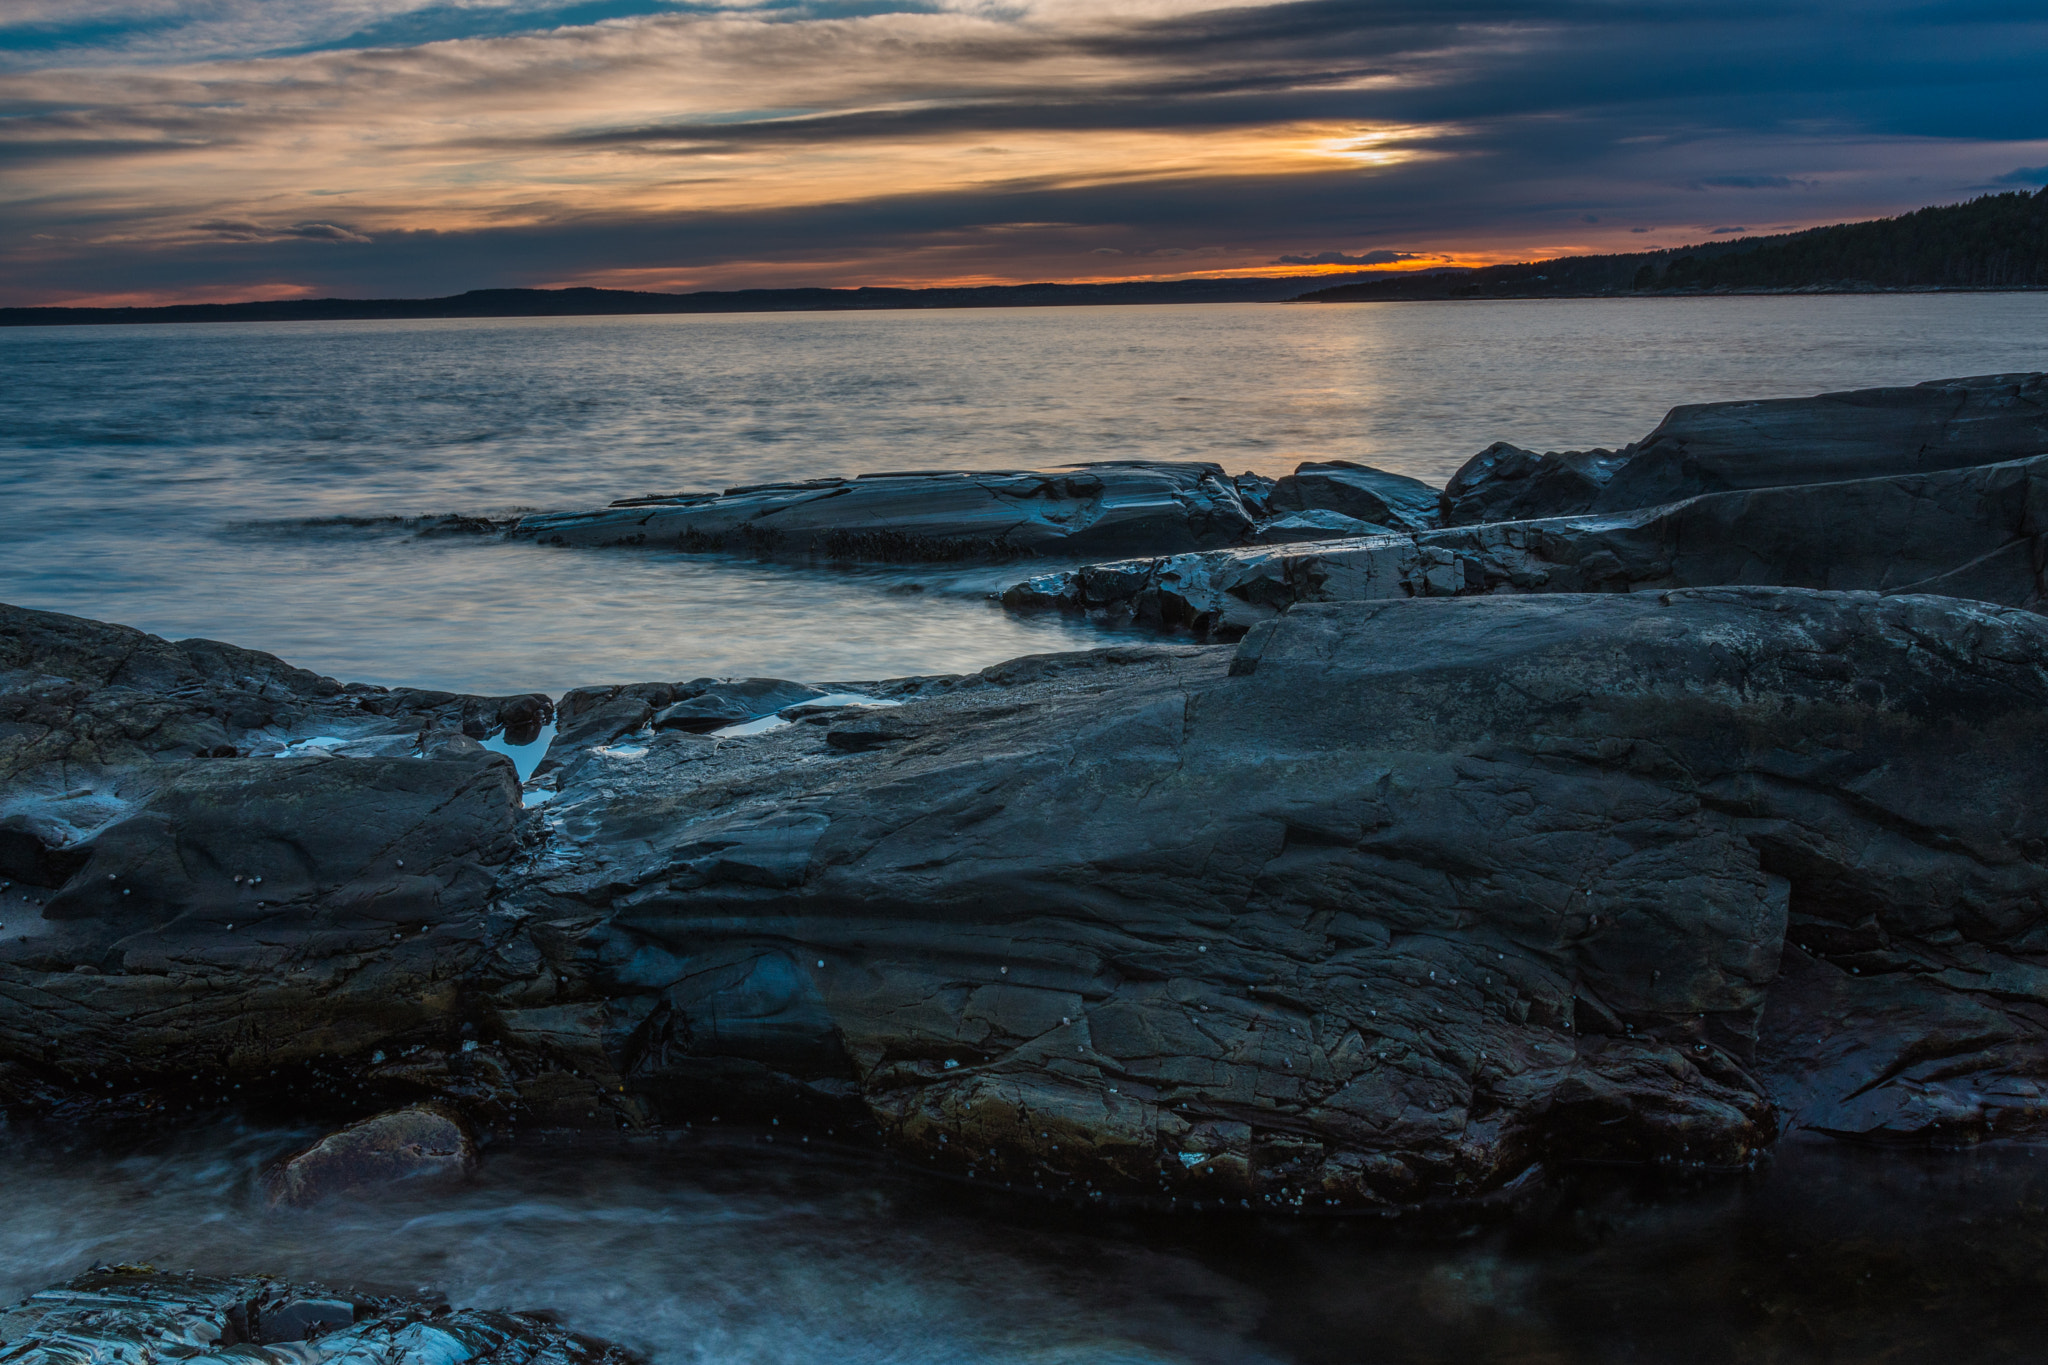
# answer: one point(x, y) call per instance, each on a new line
point(135, 1313)
point(1397, 900)
point(1087, 509)
point(1979, 532)
point(1856, 434)
point(1701, 448)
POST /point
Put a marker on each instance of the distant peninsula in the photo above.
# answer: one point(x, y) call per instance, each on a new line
point(1996, 242)
point(1999, 241)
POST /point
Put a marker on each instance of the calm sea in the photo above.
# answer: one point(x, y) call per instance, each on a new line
point(175, 477)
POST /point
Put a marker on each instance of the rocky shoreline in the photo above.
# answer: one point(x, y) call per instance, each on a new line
point(1539, 824)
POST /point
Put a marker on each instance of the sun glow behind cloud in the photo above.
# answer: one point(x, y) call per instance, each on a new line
point(181, 146)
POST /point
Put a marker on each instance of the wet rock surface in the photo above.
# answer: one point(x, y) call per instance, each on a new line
point(1715, 447)
point(1365, 494)
point(1976, 533)
point(1888, 490)
point(1092, 509)
point(134, 1313)
point(422, 1143)
point(1397, 901)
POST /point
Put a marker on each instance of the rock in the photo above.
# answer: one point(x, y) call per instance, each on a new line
point(94, 718)
point(1317, 525)
point(421, 1143)
point(1592, 818)
point(1398, 900)
point(1507, 483)
point(136, 1313)
point(1943, 424)
point(1369, 495)
point(1092, 509)
point(712, 705)
point(259, 921)
point(1978, 532)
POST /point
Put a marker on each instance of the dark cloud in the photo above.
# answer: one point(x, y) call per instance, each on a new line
point(1534, 123)
point(237, 230)
point(1363, 258)
point(1749, 182)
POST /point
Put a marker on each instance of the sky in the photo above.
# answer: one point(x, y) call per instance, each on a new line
point(156, 151)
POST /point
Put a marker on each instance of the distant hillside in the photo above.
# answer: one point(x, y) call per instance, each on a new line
point(525, 303)
point(1999, 241)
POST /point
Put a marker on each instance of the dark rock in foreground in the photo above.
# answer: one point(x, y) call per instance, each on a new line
point(129, 1313)
point(1398, 900)
point(1086, 510)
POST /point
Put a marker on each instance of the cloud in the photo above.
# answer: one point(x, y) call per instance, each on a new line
point(236, 230)
point(2025, 175)
point(1364, 258)
point(1729, 231)
point(1750, 182)
point(460, 143)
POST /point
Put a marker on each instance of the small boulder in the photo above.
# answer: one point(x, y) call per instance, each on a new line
point(424, 1142)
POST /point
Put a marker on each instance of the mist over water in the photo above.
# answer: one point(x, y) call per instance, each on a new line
point(165, 476)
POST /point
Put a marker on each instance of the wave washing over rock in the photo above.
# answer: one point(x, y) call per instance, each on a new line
point(1643, 835)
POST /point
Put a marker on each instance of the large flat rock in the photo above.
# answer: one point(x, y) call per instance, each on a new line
point(1397, 900)
point(1093, 509)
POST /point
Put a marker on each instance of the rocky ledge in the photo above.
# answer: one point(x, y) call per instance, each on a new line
point(1395, 901)
point(1116, 508)
point(1935, 488)
point(137, 1314)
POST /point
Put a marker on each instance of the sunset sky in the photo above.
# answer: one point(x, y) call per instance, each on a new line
point(168, 150)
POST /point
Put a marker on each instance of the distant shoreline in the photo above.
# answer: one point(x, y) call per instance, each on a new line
point(561, 303)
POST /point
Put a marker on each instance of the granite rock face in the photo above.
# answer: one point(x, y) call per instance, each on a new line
point(1978, 532)
point(1397, 900)
point(130, 1313)
point(1093, 509)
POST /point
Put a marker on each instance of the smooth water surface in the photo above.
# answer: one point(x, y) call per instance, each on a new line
point(746, 1253)
point(164, 476)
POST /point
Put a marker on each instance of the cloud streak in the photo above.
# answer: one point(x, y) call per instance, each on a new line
point(400, 146)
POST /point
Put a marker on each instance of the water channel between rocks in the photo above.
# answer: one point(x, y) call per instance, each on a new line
point(744, 1248)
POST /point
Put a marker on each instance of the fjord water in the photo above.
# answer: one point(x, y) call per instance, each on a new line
point(214, 479)
point(226, 481)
